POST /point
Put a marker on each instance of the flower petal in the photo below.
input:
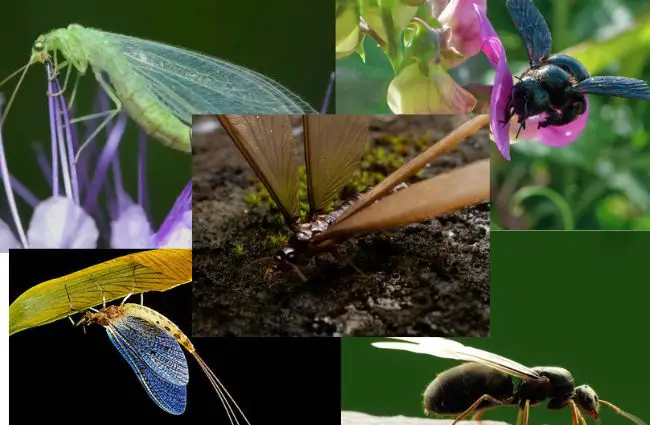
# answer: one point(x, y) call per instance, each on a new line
point(413, 92)
point(461, 16)
point(556, 136)
point(132, 229)
point(7, 239)
point(493, 48)
point(181, 235)
point(58, 222)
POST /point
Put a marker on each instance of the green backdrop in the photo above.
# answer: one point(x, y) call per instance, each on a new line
point(573, 299)
point(290, 41)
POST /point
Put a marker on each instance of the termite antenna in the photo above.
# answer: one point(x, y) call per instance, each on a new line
point(298, 272)
point(22, 69)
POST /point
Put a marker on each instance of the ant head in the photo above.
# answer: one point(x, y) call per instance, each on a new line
point(587, 400)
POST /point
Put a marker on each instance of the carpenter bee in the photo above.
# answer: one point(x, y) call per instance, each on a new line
point(556, 84)
point(486, 382)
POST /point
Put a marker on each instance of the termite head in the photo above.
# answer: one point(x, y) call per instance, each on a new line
point(283, 259)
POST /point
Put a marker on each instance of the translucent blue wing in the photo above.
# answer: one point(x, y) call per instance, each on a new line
point(170, 397)
point(158, 350)
point(532, 27)
point(614, 86)
point(191, 83)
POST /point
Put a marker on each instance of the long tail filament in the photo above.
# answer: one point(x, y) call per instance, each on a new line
point(226, 399)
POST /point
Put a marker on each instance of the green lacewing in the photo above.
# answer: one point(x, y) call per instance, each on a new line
point(158, 85)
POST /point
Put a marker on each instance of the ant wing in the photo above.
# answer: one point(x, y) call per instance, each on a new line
point(334, 145)
point(435, 196)
point(448, 349)
point(532, 27)
point(267, 143)
point(614, 86)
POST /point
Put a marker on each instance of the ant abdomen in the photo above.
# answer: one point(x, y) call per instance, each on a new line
point(456, 389)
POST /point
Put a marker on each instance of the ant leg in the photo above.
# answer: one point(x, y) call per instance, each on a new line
point(479, 415)
point(475, 405)
point(526, 412)
point(126, 298)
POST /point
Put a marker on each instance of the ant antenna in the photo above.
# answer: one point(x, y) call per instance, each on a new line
point(623, 413)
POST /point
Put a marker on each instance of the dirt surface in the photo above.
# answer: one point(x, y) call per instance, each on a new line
point(426, 279)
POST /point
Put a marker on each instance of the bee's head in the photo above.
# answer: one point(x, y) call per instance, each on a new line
point(529, 98)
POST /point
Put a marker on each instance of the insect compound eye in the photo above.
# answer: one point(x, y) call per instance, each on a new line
point(38, 46)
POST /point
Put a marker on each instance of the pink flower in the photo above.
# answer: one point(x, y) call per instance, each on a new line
point(555, 136)
point(461, 17)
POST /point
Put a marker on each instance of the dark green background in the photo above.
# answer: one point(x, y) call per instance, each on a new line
point(290, 41)
point(573, 299)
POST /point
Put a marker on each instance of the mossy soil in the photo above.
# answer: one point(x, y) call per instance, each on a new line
point(424, 279)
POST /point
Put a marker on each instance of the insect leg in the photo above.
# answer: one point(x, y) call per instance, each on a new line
point(109, 114)
point(475, 405)
point(526, 412)
point(65, 83)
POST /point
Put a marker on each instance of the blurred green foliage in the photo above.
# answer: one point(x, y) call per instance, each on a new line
point(601, 181)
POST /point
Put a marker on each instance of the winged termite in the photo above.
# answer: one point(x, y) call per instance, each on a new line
point(333, 147)
point(154, 270)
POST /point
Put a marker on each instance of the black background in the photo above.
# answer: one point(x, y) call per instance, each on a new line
point(59, 374)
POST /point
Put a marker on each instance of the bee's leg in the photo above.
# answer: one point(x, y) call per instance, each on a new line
point(475, 405)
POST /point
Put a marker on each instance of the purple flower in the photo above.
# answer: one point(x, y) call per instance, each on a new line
point(501, 91)
point(72, 216)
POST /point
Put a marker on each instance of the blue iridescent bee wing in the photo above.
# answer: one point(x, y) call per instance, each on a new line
point(168, 395)
point(532, 27)
point(157, 349)
point(614, 86)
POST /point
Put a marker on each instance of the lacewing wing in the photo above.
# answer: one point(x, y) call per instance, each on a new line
point(154, 270)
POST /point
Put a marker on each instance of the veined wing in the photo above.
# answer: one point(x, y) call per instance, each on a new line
point(267, 143)
point(448, 349)
point(168, 396)
point(334, 145)
point(532, 27)
point(161, 352)
point(154, 270)
point(614, 86)
point(445, 193)
point(191, 83)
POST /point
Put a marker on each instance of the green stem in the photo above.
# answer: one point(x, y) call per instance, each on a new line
point(562, 205)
